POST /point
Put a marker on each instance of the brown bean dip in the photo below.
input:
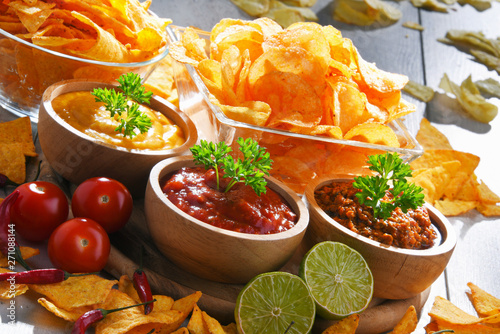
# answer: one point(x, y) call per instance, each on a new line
point(411, 230)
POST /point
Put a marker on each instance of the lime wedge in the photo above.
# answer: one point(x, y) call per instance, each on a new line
point(274, 302)
point(339, 279)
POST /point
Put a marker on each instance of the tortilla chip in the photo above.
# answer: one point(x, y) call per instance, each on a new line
point(76, 291)
point(26, 253)
point(484, 303)
point(13, 162)
point(69, 315)
point(133, 320)
point(9, 292)
point(431, 138)
point(408, 323)
point(347, 325)
point(19, 131)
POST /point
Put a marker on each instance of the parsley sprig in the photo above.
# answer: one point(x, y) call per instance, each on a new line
point(392, 176)
point(125, 103)
point(251, 169)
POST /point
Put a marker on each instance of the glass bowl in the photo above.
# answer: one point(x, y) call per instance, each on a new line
point(298, 159)
point(26, 70)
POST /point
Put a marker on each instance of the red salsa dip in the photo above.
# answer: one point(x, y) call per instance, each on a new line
point(410, 230)
point(194, 191)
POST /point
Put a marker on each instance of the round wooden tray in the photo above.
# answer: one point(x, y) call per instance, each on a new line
point(219, 299)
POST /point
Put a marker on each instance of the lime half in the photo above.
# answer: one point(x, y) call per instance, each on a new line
point(339, 279)
point(274, 302)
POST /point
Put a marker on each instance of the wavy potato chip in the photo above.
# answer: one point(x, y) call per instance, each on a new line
point(373, 133)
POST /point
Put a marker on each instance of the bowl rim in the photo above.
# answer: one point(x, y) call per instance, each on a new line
point(158, 171)
point(155, 59)
point(54, 90)
point(448, 236)
point(416, 151)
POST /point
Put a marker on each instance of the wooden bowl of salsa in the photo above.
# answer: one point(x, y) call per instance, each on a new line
point(406, 253)
point(79, 141)
point(219, 252)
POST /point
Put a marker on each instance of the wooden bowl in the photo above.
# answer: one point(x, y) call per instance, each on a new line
point(77, 156)
point(211, 252)
point(398, 273)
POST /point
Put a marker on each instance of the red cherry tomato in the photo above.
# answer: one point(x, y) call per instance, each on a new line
point(104, 200)
point(79, 245)
point(39, 209)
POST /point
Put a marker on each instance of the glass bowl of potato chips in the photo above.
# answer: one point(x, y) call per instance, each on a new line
point(303, 92)
point(45, 42)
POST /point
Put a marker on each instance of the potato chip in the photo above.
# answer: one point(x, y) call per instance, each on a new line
point(408, 323)
point(379, 80)
point(251, 112)
point(253, 8)
point(373, 133)
point(489, 87)
point(294, 60)
point(413, 25)
point(76, 291)
point(162, 81)
point(366, 12)
point(347, 325)
point(293, 101)
point(421, 92)
point(19, 131)
point(467, 94)
point(182, 330)
point(430, 5)
point(8, 291)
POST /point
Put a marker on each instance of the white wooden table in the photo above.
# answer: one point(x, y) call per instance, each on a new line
point(421, 57)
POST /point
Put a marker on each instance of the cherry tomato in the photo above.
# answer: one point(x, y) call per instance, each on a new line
point(104, 200)
point(79, 245)
point(39, 209)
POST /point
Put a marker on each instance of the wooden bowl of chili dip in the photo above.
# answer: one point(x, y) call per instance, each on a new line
point(405, 252)
point(222, 243)
point(79, 140)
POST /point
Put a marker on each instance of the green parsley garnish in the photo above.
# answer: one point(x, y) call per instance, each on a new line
point(392, 174)
point(125, 104)
point(251, 169)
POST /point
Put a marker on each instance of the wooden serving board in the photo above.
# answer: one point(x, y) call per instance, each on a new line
point(219, 299)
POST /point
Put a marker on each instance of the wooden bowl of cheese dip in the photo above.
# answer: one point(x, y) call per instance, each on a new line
point(79, 140)
point(399, 272)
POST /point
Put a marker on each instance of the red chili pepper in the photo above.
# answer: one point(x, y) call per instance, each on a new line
point(8, 245)
point(141, 284)
point(39, 276)
point(93, 316)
